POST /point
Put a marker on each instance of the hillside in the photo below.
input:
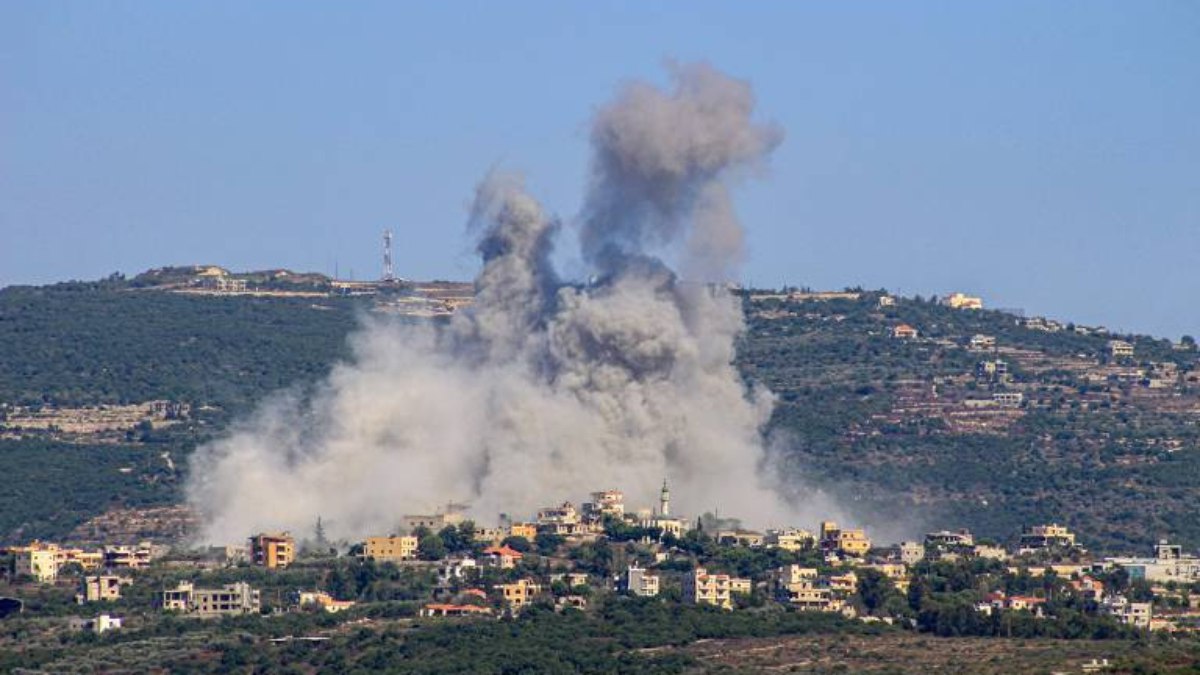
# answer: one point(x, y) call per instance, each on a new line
point(106, 387)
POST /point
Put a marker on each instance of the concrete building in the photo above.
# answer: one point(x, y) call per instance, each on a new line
point(448, 610)
point(963, 301)
point(272, 550)
point(524, 530)
point(1169, 563)
point(98, 625)
point(229, 600)
point(639, 582)
point(980, 342)
point(101, 588)
point(790, 539)
point(904, 332)
point(801, 588)
point(520, 593)
point(849, 543)
point(604, 503)
point(1045, 536)
point(501, 557)
point(323, 600)
point(1136, 614)
point(43, 560)
point(391, 549)
point(131, 557)
point(453, 570)
point(453, 514)
point(1120, 349)
point(702, 588)
point(910, 552)
point(948, 538)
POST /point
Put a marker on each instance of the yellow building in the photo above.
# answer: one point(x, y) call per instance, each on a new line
point(1043, 536)
point(702, 588)
point(272, 550)
point(519, 593)
point(38, 560)
point(101, 588)
point(524, 530)
point(963, 301)
point(853, 543)
point(844, 583)
point(789, 539)
point(391, 549)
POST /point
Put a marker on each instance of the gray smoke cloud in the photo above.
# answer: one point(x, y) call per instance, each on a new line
point(545, 390)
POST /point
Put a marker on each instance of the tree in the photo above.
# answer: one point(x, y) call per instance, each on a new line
point(431, 547)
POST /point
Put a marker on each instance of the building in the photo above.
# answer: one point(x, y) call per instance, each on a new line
point(229, 600)
point(455, 569)
point(436, 609)
point(800, 587)
point(520, 593)
point(501, 557)
point(845, 583)
point(98, 625)
point(38, 560)
point(886, 301)
point(132, 557)
point(391, 549)
point(790, 539)
point(272, 550)
point(1136, 614)
point(323, 600)
point(904, 332)
point(963, 301)
point(639, 582)
point(526, 531)
point(1008, 399)
point(570, 579)
point(851, 543)
point(604, 503)
point(992, 370)
point(747, 538)
point(948, 538)
point(980, 342)
point(702, 588)
point(1045, 536)
point(910, 552)
point(1168, 564)
point(101, 588)
point(434, 522)
point(1119, 349)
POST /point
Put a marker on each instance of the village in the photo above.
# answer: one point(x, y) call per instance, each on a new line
point(566, 558)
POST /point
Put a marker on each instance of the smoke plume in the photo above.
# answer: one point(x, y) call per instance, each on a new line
point(544, 390)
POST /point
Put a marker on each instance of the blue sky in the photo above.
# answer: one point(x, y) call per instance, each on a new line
point(1045, 155)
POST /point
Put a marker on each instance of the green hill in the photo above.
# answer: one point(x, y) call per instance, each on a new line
point(1109, 446)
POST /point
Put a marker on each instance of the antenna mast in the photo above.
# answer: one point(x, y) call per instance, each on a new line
point(389, 274)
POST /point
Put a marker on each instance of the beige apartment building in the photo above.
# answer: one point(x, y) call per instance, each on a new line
point(229, 600)
point(702, 588)
point(391, 549)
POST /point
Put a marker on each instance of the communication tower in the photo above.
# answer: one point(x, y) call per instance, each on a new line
point(389, 274)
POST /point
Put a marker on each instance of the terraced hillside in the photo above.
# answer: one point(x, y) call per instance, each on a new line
point(932, 427)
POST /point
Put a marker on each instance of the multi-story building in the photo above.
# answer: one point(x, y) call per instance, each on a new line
point(948, 538)
point(910, 552)
point(1045, 536)
point(272, 550)
point(455, 569)
point(1137, 614)
point(981, 342)
point(702, 588)
point(519, 593)
point(904, 332)
point(789, 539)
point(391, 549)
point(851, 543)
point(524, 530)
point(963, 301)
point(434, 522)
point(801, 588)
point(1120, 349)
point(229, 600)
point(639, 582)
point(38, 560)
point(605, 503)
point(132, 557)
point(1169, 563)
point(501, 557)
point(101, 588)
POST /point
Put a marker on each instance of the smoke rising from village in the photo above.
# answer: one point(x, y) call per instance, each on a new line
point(545, 390)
